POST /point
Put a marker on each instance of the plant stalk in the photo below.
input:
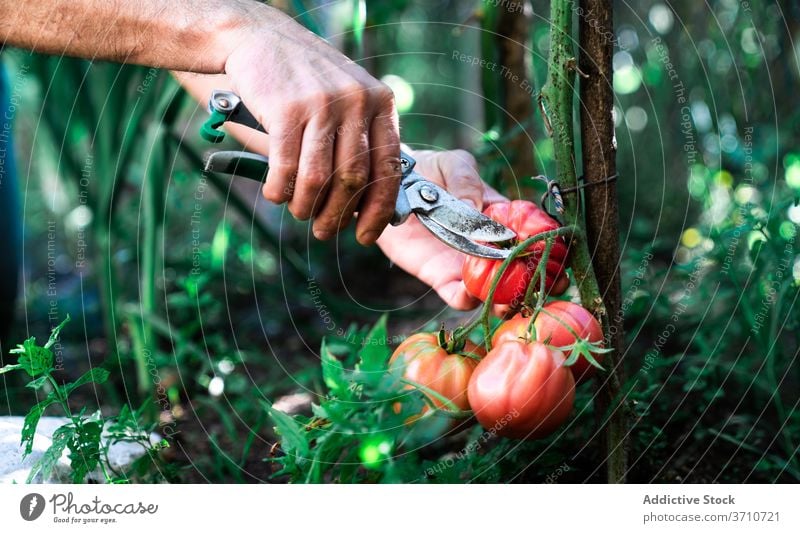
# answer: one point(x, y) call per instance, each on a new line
point(556, 104)
point(602, 215)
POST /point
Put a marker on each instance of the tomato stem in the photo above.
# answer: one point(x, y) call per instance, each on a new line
point(484, 315)
point(452, 409)
point(541, 272)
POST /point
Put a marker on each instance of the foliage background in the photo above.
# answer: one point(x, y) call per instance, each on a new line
point(235, 298)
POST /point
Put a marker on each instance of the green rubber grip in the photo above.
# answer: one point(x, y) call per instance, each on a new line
point(210, 128)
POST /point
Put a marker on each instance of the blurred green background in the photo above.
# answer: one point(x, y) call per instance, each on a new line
point(221, 300)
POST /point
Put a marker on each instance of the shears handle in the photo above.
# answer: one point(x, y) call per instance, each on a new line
point(446, 217)
point(225, 106)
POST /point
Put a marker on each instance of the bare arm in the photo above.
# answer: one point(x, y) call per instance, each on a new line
point(185, 35)
point(333, 128)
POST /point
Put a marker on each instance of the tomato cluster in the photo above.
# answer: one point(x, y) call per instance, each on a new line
point(524, 388)
point(526, 220)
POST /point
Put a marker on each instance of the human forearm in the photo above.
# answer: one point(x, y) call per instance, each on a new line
point(188, 35)
point(334, 145)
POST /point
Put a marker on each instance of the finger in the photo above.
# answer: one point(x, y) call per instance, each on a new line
point(491, 196)
point(285, 141)
point(460, 172)
point(454, 294)
point(377, 206)
point(350, 177)
point(314, 171)
point(503, 311)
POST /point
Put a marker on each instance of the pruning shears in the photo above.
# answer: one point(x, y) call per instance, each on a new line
point(455, 223)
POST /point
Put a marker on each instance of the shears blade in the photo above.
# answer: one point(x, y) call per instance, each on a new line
point(449, 212)
point(460, 243)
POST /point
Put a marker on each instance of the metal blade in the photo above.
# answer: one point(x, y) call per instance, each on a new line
point(460, 243)
point(454, 215)
point(237, 163)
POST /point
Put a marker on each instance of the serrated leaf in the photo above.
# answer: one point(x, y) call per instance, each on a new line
point(54, 334)
point(32, 421)
point(61, 438)
point(33, 359)
point(332, 371)
point(29, 426)
point(97, 376)
point(293, 439)
point(328, 451)
point(346, 347)
point(319, 411)
point(85, 449)
point(9, 368)
point(337, 412)
point(37, 383)
point(374, 355)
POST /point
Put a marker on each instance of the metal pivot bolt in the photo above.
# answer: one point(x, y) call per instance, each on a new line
point(428, 194)
point(224, 101)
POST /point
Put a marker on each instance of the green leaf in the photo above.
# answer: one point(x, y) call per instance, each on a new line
point(85, 449)
point(327, 452)
point(33, 359)
point(374, 355)
point(32, 420)
point(61, 437)
point(333, 371)
point(293, 439)
point(9, 368)
point(29, 426)
point(95, 375)
point(37, 383)
point(54, 334)
point(346, 347)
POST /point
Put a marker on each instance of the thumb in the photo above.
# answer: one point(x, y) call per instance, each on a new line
point(491, 196)
point(460, 172)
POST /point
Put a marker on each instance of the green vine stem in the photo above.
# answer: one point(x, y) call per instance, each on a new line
point(541, 276)
point(450, 409)
point(483, 317)
point(556, 105)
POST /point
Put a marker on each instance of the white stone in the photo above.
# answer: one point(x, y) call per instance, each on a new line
point(15, 469)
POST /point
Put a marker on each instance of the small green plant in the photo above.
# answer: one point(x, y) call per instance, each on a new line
point(359, 431)
point(84, 434)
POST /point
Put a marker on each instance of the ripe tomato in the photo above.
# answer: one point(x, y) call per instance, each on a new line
point(526, 220)
point(554, 331)
point(513, 329)
point(522, 390)
point(426, 362)
point(580, 320)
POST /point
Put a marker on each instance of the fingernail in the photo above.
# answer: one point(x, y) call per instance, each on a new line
point(322, 235)
point(470, 203)
point(369, 237)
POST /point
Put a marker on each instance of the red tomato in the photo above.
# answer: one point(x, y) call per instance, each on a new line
point(526, 220)
point(521, 390)
point(513, 329)
point(579, 320)
point(555, 329)
point(425, 362)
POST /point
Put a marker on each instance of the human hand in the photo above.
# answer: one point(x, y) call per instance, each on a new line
point(414, 249)
point(333, 128)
